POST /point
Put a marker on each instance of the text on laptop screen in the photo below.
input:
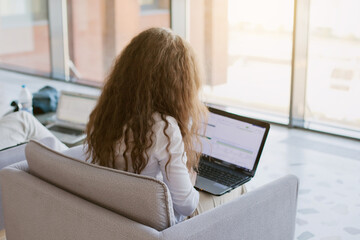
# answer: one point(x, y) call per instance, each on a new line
point(75, 108)
point(232, 141)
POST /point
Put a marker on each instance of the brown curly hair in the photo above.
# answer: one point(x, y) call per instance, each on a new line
point(156, 73)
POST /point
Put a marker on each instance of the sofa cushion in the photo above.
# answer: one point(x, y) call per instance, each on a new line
point(143, 199)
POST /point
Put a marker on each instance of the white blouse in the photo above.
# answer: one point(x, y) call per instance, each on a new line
point(184, 196)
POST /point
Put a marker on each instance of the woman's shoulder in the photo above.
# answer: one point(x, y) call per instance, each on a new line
point(170, 125)
point(167, 139)
point(160, 123)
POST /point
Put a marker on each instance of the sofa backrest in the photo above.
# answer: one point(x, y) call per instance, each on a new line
point(139, 198)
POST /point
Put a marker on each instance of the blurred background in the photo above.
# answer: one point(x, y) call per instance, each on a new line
point(296, 63)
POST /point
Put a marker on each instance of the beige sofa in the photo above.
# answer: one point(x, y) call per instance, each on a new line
point(51, 196)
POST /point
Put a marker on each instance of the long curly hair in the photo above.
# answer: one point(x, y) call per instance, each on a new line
point(156, 73)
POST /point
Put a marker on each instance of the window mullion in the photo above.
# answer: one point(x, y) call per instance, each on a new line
point(180, 17)
point(59, 39)
point(299, 63)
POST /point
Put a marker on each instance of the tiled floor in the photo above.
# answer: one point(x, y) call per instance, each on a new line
point(328, 168)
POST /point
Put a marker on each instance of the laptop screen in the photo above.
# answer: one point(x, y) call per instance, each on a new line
point(75, 107)
point(232, 140)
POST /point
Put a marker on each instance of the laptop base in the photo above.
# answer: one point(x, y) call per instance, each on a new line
point(214, 188)
point(211, 187)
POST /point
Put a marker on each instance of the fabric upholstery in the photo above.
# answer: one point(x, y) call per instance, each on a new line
point(16, 154)
point(37, 209)
point(139, 198)
point(266, 213)
point(7, 157)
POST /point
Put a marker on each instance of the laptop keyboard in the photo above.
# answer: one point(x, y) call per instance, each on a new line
point(66, 130)
point(219, 176)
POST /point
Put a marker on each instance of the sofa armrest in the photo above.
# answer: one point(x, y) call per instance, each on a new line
point(266, 213)
point(8, 157)
point(12, 155)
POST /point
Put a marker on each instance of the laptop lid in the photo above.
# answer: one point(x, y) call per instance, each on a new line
point(234, 141)
point(74, 108)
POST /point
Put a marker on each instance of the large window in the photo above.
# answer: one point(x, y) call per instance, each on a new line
point(99, 30)
point(333, 76)
point(24, 36)
point(246, 50)
point(285, 61)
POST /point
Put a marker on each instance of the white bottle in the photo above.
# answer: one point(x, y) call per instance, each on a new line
point(25, 100)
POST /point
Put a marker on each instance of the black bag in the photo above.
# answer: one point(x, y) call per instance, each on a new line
point(45, 100)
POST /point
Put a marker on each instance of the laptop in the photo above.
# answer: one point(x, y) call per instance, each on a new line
point(72, 115)
point(231, 150)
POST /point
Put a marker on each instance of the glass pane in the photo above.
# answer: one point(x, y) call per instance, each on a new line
point(24, 36)
point(333, 77)
point(99, 30)
point(246, 50)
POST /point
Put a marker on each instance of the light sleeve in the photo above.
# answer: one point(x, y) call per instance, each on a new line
point(175, 175)
point(78, 152)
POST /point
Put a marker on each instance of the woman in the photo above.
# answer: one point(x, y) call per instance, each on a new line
point(149, 114)
point(19, 127)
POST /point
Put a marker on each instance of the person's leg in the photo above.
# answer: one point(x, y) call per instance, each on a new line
point(208, 201)
point(19, 127)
